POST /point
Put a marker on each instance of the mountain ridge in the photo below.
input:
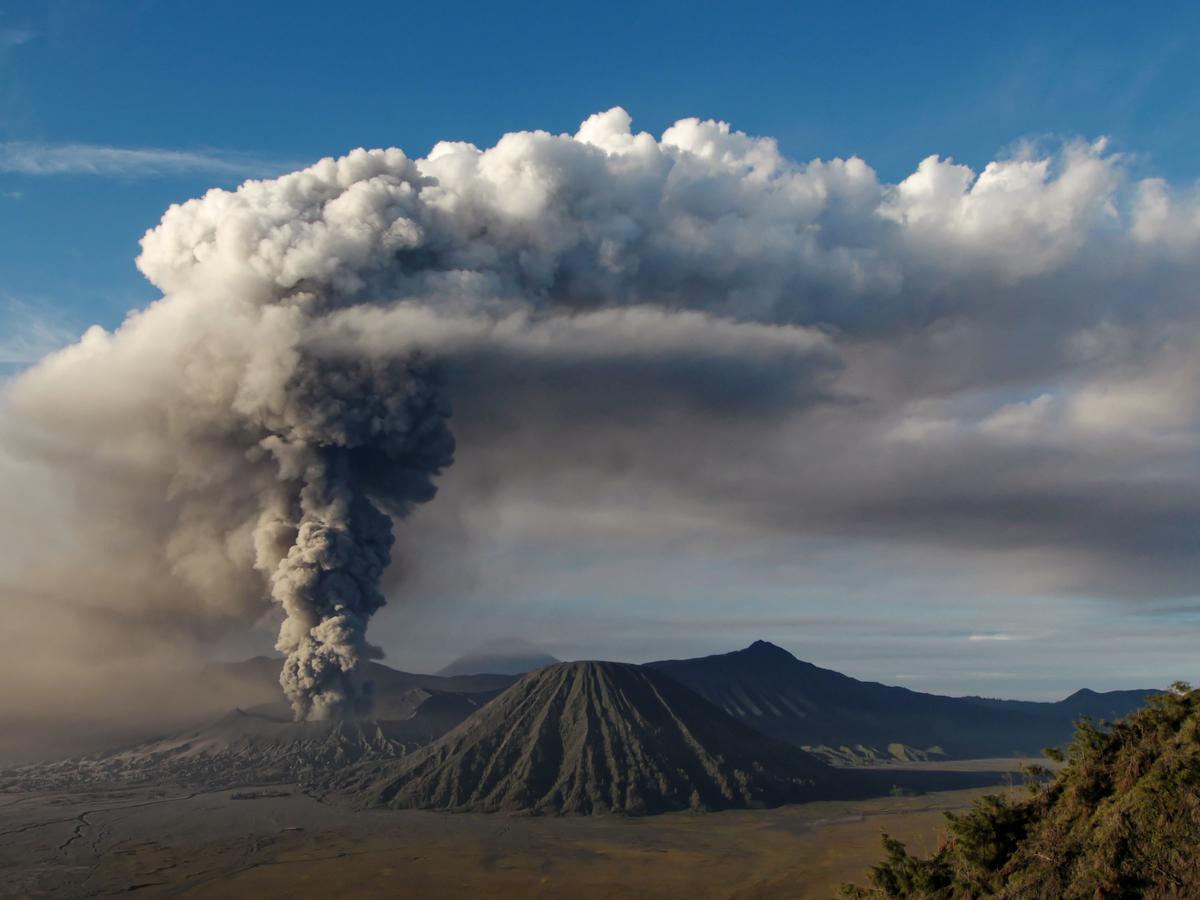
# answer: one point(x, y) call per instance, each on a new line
point(850, 720)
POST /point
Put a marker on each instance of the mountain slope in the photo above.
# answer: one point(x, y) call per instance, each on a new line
point(508, 657)
point(241, 748)
point(594, 737)
point(260, 745)
point(769, 689)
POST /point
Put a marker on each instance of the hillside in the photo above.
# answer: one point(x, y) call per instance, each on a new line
point(258, 745)
point(849, 720)
point(241, 748)
point(1121, 820)
point(591, 737)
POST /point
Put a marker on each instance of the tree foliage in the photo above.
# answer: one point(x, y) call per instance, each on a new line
point(1122, 819)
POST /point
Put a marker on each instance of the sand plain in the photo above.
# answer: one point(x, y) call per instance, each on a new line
point(277, 841)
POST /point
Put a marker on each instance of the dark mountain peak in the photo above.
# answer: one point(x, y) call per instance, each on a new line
point(1104, 705)
point(567, 675)
point(756, 656)
point(584, 667)
point(590, 737)
point(767, 650)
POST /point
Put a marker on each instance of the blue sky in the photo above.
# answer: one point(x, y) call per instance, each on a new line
point(110, 112)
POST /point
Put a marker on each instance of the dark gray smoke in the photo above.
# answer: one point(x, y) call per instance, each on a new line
point(360, 444)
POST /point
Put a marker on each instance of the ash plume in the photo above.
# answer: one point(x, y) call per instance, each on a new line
point(371, 440)
point(258, 430)
point(742, 338)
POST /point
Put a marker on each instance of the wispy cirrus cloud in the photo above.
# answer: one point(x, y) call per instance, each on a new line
point(14, 37)
point(999, 636)
point(36, 158)
point(28, 332)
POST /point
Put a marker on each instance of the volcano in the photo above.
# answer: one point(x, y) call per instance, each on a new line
point(593, 737)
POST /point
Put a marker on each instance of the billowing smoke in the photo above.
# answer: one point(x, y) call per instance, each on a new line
point(358, 444)
point(958, 359)
point(282, 404)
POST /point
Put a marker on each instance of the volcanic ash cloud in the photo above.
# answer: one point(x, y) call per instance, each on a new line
point(247, 442)
point(270, 417)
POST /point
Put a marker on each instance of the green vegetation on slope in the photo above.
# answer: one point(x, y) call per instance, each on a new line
point(1122, 819)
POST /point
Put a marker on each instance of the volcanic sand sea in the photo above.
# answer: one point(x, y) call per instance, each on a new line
point(277, 842)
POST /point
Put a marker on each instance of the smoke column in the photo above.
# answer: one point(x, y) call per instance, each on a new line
point(377, 444)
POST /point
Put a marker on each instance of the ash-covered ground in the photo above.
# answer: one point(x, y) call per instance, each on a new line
point(242, 747)
point(275, 840)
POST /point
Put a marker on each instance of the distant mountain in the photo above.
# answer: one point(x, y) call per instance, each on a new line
point(848, 720)
point(439, 711)
point(721, 731)
point(1106, 705)
point(594, 737)
point(507, 657)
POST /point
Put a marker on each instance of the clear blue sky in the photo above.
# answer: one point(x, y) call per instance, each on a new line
point(891, 82)
point(204, 94)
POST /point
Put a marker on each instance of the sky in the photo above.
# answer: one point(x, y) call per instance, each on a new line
point(1073, 570)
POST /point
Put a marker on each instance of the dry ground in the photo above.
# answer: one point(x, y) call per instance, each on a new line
point(169, 843)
